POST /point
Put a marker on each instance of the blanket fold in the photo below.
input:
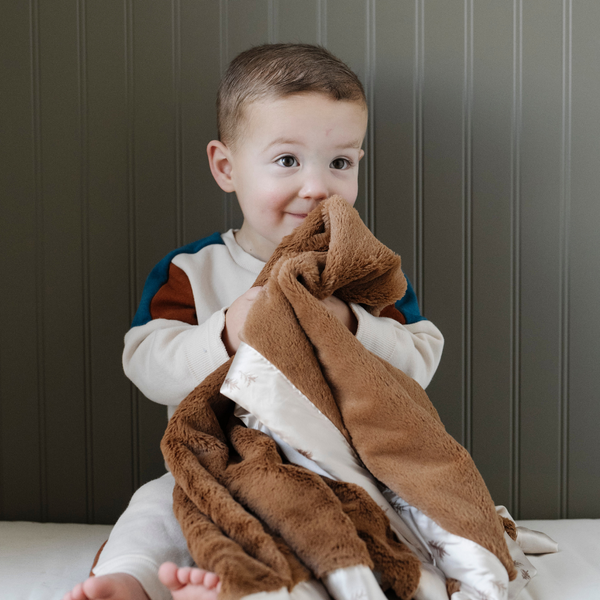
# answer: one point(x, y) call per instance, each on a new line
point(262, 523)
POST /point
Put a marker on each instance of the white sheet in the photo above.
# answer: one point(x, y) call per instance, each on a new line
point(573, 573)
point(43, 561)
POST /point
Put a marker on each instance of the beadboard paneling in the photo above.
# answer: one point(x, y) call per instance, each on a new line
point(580, 484)
point(481, 170)
point(446, 204)
point(106, 257)
point(63, 350)
point(21, 391)
point(494, 202)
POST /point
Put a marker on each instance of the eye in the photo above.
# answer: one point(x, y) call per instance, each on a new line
point(340, 163)
point(287, 161)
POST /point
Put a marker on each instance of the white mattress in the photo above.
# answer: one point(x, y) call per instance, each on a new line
point(573, 573)
point(42, 561)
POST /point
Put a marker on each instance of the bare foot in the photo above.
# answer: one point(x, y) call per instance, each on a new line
point(188, 583)
point(117, 586)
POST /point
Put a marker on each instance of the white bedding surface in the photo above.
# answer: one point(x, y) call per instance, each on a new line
point(42, 561)
point(573, 573)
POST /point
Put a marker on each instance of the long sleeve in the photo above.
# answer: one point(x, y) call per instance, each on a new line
point(405, 338)
point(166, 359)
point(414, 348)
point(175, 339)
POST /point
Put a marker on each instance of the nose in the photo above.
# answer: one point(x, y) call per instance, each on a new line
point(314, 186)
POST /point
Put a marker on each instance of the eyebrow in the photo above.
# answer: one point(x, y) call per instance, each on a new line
point(282, 141)
point(352, 144)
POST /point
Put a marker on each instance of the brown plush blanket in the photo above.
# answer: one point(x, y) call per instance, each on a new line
point(261, 523)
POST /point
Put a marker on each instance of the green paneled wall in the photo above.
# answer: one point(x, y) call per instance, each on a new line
point(482, 171)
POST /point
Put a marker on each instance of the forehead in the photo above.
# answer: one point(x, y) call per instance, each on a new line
point(301, 115)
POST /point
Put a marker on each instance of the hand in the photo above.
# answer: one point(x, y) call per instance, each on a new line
point(235, 317)
point(342, 311)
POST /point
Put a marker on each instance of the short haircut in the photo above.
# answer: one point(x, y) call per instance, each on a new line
point(279, 70)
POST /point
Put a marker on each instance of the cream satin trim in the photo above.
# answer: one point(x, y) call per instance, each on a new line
point(530, 541)
point(305, 590)
point(281, 594)
point(301, 430)
point(353, 582)
point(266, 400)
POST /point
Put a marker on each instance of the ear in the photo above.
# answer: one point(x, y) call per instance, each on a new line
point(219, 159)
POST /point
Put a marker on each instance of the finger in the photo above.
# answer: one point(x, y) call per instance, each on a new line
point(253, 292)
point(328, 303)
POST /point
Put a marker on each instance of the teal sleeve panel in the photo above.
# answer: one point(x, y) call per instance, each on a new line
point(160, 274)
point(408, 305)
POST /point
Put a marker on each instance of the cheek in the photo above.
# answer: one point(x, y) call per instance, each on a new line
point(274, 199)
point(349, 191)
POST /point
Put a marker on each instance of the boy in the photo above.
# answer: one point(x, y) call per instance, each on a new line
point(292, 119)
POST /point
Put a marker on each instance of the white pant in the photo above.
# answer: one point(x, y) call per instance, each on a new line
point(146, 535)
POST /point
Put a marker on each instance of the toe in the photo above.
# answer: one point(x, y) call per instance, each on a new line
point(68, 596)
point(211, 580)
point(197, 576)
point(183, 575)
point(98, 588)
point(75, 594)
point(168, 576)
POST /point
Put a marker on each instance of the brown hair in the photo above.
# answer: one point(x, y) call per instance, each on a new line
point(276, 71)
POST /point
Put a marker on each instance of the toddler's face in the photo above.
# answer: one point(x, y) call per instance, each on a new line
point(293, 153)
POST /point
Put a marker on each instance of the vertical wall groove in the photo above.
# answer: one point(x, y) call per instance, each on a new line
point(2, 426)
point(176, 46)
point(224, 60)
point(322, 22)
point(130, 101)
point(564, 258)
point(516, 253)
point(273, 17)
point(370, 62)
point(85, 254)
point(418, 82)
point(224, 47)
point(468, 227)
point(39, 250)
